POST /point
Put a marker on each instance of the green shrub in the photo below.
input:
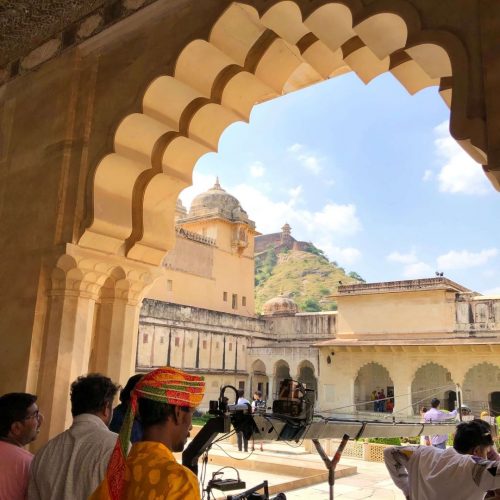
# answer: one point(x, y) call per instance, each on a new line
point(389, 441)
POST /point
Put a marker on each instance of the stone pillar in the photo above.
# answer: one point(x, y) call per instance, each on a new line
point(116, 338)
point(92, 325)
point(271, 389)
point(66, 350)
point(402, 394)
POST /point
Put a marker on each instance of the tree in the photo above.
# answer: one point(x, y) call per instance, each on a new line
point(356, 276)
point(311, 305)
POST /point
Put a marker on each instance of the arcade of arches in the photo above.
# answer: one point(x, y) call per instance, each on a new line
point(102, 126)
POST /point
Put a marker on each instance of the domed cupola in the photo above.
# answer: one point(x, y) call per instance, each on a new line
point(279, 306)
point(216, 202)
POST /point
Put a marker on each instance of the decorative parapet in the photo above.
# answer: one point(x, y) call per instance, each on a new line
point(191, 235)
point(400, 286)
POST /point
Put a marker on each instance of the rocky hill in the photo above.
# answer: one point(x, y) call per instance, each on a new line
point(306, 276)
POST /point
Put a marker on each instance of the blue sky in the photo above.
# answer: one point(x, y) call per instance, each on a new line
point(370, 175)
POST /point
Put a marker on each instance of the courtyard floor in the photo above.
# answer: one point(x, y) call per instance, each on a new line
point(364, 479)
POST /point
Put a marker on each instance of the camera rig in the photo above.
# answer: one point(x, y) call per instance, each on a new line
point(292, 419)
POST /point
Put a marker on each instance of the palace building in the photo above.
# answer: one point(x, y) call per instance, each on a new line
point(416, 339)
point(105, 108)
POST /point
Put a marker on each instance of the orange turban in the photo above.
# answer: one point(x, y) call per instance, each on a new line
point(165, 385)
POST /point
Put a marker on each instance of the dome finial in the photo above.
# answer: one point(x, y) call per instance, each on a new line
point(217, 183)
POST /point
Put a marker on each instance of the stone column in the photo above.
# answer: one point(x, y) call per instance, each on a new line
point(271, 389)
point(116, 338)
point(66, 350)
point(402, 393)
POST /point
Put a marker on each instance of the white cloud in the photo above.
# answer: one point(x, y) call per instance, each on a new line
point(344, 256)
point(465, 259)
point(257, 169)
point(335, 218)
point(295, 192)
point(428, 175)
point(270, 215)
point(295, 148)
point(459, 173)
point(402, 258)
point(311, 163)
point(418, 270)
point(307, 159)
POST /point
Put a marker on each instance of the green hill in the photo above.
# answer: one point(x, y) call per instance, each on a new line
point(307, 277)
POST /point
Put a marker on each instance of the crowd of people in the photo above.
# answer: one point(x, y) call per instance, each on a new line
point(128, 453)
point(89, 460)
point(382, 403)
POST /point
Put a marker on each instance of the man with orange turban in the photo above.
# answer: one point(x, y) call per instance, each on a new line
point(165, 400)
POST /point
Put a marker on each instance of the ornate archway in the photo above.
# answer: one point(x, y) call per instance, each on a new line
point(307, 376)
point(481, 382)
point(431, 381)
point(260, 379)
point(250, 56)
point(118, 131)
point(372, 377)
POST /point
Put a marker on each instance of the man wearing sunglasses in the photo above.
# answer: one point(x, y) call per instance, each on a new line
point(20, 422)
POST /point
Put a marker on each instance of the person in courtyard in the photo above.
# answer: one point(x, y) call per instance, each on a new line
point(20, 421)
point(120, 411)
point(165, 400)
point(424, 440)
point(374, 399)
point(462, 472)
point(381, 401)
point(436, 415)
point(71, 465)
point(242, 440)
point(486, 416)
point(258, 405)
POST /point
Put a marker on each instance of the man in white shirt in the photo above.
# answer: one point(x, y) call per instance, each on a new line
point(461, 472)
point(71, 465)
point(436, 415)
point(242, 440)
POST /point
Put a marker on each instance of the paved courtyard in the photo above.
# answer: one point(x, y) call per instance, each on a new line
point(370, 481)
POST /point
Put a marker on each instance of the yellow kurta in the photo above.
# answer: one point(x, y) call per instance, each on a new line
point(153, 473)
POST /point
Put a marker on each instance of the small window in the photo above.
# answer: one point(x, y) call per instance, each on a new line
point(162, 340)
point(204, 343)
point(177, 341)
point(230, 347)
point(235, 301)
point(241, 385)
point(145, 338)
point(190, 343)
point(224, 296)
point(243, 301)
point(169, 285)
point(217, 345)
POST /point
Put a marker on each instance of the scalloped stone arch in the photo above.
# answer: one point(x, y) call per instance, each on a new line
point(363, 388)
point(367, 363)
point(484, 363)
point(479, 382)
point(279, 364)
point(423, 364)
point(250, 57)
point(258, 366)
point(440, 388)
point(305, 363)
